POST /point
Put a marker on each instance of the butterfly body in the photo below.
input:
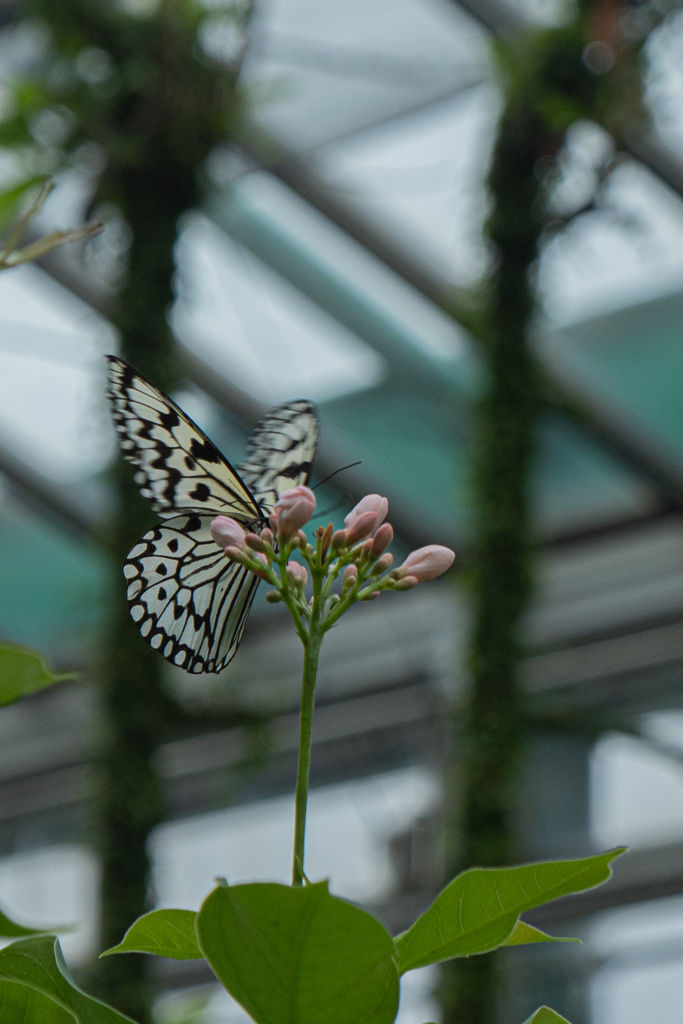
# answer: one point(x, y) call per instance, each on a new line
point(189, 602)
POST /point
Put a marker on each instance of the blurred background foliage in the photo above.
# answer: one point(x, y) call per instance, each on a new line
point(134, 99)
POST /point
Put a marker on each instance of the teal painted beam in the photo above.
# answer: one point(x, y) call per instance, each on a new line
point(408, 362)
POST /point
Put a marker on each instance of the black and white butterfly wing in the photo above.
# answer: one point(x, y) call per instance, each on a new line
point(178, 467)
point(189, 602)
point(281, 451)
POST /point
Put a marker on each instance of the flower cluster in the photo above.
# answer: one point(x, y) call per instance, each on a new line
point(358, 554)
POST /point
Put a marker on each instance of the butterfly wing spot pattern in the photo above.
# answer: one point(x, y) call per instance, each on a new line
point(183, 594)
point(189, 602)
point(178, 467)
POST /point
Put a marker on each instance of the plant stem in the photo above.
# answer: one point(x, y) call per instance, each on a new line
point(289, 600)
point(311, 656)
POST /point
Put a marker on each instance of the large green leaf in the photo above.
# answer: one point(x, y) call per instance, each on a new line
point(522, 934)
point(164, 932)
point(478, 911)
point(26, 1006)
point(545, 1015)
point(298, 955)
point(36, 988)
point(23, 672)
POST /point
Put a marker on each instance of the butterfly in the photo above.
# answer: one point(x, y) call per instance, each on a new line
point(188, 601)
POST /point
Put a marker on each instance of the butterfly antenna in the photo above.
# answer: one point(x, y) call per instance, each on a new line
point(321, 482)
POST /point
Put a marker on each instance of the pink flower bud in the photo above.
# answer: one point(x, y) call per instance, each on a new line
point(261, 575)
point(245, 557)
point(406, 583)
point(227, 533)
point(349, 577)
point(372, 596)
point(236, 554)
point(267, 536)
point(293, 509)
point(382, 539)
point(384, 562)
point(298, 570)
point(361, 527)
point(338, 540)
point(427, 563)
point(370, 503)
point(253, 541)
point(326, 540)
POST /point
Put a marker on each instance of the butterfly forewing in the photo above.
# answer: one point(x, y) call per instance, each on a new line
point(281, 451)
point(178, 468)
point(189, 602)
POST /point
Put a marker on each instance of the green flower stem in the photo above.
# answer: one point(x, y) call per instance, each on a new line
point(324, 571)
point(353, 595)
point(290, 600)
point(312, 647)
point(343, 605)
point(311, 656)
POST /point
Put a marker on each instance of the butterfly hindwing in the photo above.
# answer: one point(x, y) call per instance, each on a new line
point(178, 467)
point(281, 450)
point(189, 602)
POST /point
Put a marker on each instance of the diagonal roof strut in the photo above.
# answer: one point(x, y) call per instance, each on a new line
point(630, 447)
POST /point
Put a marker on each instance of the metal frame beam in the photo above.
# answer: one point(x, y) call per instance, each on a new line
point(634, 448)
point(631, 447)
point(39, 492)
point(299, 174)
point(327, 288)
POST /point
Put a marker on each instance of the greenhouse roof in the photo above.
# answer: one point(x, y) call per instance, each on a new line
point(413, 440)
point(321, 265)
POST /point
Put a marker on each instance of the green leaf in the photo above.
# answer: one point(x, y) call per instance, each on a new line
point(298, 955)
point(36, 988)
point(15, 132)
point(478, 911)
point(23, 672)
point(544, 1015)
point(11, 930)
point(25, 1005)
point(11, 197)
point(164, 932)
point(522, 934)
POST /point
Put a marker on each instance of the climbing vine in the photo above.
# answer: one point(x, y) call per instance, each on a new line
point(552, 79)
point(132, 92)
